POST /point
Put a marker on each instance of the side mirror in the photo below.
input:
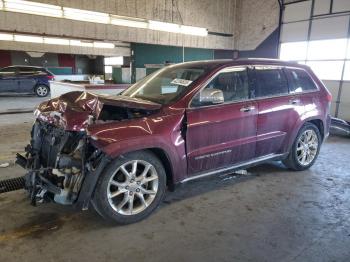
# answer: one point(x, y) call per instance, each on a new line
point(211, 96)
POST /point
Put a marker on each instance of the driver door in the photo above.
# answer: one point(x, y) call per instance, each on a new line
point(221, 135)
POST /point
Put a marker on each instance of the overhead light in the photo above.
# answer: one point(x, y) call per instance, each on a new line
point(130, 22)
point(87, 16)
point(56, 41)
point(193, 30)
point(6, 37)
point(81, 43)
point(35, 8)
point(162, 26)
point(28, 39)
point(103, 45)
point(32, 8)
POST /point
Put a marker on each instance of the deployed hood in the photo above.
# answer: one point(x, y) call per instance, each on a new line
point(76, 110)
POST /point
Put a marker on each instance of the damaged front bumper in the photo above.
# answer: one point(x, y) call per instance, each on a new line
point(62, 166)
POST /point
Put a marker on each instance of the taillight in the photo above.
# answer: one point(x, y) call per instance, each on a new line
point(329, 97)
point(49, 77)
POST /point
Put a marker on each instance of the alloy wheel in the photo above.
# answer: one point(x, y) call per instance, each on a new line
point(307, 147)
point(41, 90)
point(132, 187)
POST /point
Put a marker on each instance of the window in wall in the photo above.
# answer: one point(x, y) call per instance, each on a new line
point(300, 81)
point(108, 69)
point(327, 49)
point(270, 82)
point(327, 70)
point(293, 51)
point(118, 60)
point(341, 5)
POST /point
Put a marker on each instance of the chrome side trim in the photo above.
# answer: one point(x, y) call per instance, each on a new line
point(248, 163)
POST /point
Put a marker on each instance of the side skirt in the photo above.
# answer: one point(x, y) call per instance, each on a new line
point(232, 168)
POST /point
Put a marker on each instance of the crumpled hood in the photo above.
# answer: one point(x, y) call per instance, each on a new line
point(76, 110)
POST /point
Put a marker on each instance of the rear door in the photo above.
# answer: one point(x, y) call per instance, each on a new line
point(301, 82)
point(278, 110)
point(8, 81)
point(27, 79)
point(222, 135)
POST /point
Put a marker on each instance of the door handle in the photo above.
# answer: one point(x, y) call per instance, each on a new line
point(294, 101)
point(247, 108)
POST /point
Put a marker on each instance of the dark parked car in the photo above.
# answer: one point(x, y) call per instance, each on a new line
point(183, 122)
point(25, 79)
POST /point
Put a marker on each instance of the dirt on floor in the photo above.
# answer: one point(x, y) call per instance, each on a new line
point(270, 214)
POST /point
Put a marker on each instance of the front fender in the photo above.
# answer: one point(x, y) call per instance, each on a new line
point(163, 133)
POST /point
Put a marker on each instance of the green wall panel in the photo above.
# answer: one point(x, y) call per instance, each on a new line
point(117, 75)
point(195, 54)
point(61, 70)
point(158, 54)
point(151, 70)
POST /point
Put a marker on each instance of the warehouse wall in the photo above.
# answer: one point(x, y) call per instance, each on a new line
point(217, 16)
point(149, 58)
point(57, 63)
point(255, 21)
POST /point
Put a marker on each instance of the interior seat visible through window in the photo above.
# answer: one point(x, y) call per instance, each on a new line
point(233, 84)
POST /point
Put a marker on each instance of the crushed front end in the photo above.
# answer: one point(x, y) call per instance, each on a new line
point(63, 161)
point(58, 161)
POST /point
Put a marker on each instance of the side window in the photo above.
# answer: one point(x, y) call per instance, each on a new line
point(28, 71)
point(270, 82)
point(234, 85)
point(300, 81)
point(9, 71)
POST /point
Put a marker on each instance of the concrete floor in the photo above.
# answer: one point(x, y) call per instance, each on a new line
point(11, 102)
point(271, 214)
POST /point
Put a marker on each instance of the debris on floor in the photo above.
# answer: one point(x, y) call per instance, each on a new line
point(5, 165)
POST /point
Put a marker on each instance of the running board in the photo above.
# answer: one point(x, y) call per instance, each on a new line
point(244, 165)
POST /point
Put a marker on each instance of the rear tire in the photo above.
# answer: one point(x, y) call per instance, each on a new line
point(41, 90)
point(130, 188)
point(305, 149)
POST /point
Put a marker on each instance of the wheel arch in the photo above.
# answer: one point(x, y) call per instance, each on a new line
point(319, 124)
point(164, 158)
point(162, 155)
point(314, 120)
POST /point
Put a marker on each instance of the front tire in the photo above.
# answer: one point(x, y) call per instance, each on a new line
point(131, 188)
point(41, 90)
point(305, 149)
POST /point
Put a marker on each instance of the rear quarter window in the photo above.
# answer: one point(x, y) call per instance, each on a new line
point(300, 81)
point(270, 82)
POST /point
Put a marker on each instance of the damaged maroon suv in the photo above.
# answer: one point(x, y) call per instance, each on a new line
point(185, 121)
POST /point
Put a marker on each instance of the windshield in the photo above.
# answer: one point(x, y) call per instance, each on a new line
point(168, 84)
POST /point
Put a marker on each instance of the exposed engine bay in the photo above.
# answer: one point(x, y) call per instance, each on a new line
point(63, 165)
point(57, 161)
